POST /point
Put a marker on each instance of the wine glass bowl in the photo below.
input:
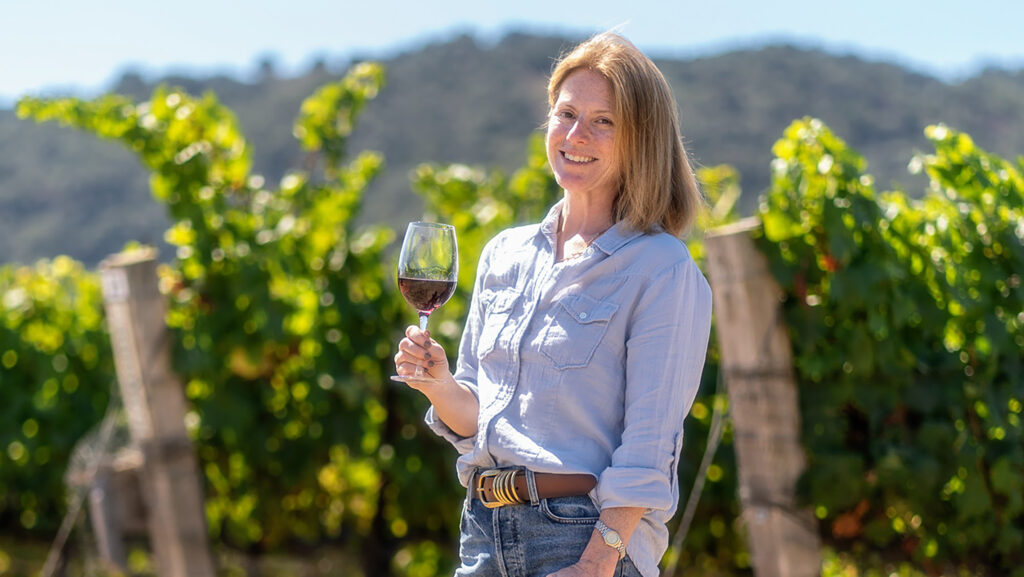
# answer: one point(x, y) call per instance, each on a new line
point(428, 268)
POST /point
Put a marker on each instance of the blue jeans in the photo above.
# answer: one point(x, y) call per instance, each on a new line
point(531, 540)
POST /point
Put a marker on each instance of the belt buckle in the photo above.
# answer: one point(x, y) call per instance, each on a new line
point(480, 488)
point(503, 488)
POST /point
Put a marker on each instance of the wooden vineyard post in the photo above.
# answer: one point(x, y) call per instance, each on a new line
point(106, 526)
point(154, 401)
point(757, 366)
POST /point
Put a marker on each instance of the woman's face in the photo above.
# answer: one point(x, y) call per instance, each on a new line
point(581, 135)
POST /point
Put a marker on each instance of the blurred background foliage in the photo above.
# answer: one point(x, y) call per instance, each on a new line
point(905, 315)
point(56, 370)
point(907, 323)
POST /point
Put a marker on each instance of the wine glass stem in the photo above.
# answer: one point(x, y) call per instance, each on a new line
point(423, 327)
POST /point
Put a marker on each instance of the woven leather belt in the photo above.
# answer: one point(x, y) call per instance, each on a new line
point(498, 487)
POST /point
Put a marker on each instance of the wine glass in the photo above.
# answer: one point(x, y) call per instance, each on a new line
point(427, 270)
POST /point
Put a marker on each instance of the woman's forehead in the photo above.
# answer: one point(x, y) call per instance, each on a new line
point(587, 86)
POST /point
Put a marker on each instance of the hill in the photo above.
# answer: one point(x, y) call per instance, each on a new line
point(466, 101)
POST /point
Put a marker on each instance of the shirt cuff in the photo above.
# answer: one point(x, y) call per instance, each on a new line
point(635, 487)
point(462, 444)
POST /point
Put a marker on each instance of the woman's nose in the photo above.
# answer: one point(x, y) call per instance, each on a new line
point(578, 132)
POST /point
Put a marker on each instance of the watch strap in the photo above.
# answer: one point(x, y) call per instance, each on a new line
point(611, 538)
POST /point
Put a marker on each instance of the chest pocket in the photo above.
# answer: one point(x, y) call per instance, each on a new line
point(576, 329)
point(497, 307)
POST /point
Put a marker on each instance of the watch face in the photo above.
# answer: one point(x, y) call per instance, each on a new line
point(613, 539)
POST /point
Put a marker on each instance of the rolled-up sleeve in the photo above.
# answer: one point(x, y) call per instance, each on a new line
point(665, 354)
point(462, 444)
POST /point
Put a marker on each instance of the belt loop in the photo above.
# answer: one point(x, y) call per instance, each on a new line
point(469, 490)
point(531, 486)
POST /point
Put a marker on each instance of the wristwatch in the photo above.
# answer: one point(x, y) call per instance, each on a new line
point(611, 538)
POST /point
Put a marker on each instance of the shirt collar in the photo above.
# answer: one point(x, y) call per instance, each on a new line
point(616, 237)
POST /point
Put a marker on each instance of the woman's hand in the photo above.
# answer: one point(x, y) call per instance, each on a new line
point(598, 559)
point(418, 350)
point(455, 404)
point(583, 569)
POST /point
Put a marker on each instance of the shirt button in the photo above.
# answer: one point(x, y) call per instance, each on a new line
point(583, 315)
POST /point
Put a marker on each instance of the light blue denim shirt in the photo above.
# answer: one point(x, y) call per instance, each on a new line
point(589, 365)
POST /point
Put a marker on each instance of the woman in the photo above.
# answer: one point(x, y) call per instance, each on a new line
point(584, 343)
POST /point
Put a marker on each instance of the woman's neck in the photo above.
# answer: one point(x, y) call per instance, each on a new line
point(586, 216)
point(582, 220)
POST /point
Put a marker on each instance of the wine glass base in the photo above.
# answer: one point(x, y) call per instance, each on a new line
point(413, 379)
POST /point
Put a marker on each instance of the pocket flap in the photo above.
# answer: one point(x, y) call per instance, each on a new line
point(588, 310)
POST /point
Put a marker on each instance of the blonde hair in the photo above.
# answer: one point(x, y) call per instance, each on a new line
point(657, 186)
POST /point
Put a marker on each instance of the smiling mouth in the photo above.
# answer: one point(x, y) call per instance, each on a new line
point(578, 159)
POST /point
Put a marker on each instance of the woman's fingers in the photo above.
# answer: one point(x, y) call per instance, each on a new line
point(422, 338)
point(420, 344)
point(417, 349)
point(405, 369)
point(405, 359)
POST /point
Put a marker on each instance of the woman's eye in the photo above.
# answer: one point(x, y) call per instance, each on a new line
point(565, 115)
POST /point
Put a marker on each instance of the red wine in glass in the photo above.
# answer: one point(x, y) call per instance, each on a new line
point(427, 271)
point(426, 295)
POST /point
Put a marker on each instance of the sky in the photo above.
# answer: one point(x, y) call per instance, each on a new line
point(70, 46)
